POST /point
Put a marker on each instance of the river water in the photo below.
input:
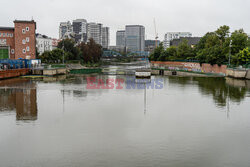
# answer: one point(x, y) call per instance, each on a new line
point(189, 122)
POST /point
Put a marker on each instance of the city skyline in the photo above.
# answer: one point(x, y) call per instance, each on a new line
point(197, 17)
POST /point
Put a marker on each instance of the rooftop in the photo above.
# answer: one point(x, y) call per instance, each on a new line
point(24, 21)
point(6, 28)
point(134, 26)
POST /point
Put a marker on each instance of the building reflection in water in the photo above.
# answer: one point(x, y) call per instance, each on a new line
point(20, 95)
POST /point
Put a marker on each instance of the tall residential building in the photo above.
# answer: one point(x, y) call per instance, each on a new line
point(80, 30)
point(120, 38)
point(174, 35)
point(64, 28)
point(135, 37)
point(105, 37)
point(94, 30)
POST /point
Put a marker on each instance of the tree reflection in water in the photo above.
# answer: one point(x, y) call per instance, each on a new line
point(220, 88)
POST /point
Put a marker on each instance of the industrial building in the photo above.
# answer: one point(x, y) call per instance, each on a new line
point(18, 41)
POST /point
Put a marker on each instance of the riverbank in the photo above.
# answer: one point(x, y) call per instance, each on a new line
point(196, 69)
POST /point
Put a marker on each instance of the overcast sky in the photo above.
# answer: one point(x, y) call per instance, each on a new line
point(195, 16)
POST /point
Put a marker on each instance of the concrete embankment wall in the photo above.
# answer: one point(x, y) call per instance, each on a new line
point(183, 74)
point(238, 73)
point(190, 66)
point(177, 73)
point(49, 72)
point(248, 74)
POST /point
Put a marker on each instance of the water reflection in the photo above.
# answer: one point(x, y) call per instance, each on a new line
point(19, 95)
point(220, 89)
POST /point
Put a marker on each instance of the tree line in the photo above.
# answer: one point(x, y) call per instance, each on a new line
point(218, 47)
point(68, 50)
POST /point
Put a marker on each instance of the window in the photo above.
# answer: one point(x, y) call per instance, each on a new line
point(0, 34)
point(27, 28)
point(27, 39)
point(28, 48)
point(11, 35)
point(23, 30)
point(24, 51)
point(3, 34)
point(24, 41)
point(7, 34)
point(12, 51)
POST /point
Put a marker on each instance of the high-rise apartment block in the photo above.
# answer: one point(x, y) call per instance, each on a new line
point(64, 29)
point(94, 31)
point(120, 38)
point(81, 31)
point(135, 37)
point(132, 38)
point(105, 37)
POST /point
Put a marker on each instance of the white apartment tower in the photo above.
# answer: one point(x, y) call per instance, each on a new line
point(120, 38)
point(105, 37)
point(94, 30)
point(64, 28)
point(80, 30)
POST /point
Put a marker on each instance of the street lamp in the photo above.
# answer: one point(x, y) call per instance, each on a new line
point(63, 51)
point(229, 60)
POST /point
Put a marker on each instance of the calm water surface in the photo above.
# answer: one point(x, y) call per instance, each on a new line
point(191, 122)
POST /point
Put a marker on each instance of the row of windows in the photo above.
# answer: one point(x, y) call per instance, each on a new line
point(3, 34)
point(24, 41)
point(26, 50)
point(25, 30)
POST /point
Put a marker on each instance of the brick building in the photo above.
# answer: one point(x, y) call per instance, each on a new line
point(18, 41)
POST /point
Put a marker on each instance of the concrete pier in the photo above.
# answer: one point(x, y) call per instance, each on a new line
point(143, 73)
point(49, 72)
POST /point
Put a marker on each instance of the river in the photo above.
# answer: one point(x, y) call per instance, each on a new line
point(180, 121)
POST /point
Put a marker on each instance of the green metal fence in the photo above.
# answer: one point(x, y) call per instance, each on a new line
point(85, 71)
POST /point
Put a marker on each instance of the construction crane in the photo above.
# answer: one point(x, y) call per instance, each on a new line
point(156, 35)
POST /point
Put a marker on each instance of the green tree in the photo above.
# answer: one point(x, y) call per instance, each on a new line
point(213, 48)
point(185, 51)
point(72, 52)
point(54, 56)
point(91, 52)
point(239, 41)
point(171, 53)
point(157, 53)
point(223, 32)
point(243, 57)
